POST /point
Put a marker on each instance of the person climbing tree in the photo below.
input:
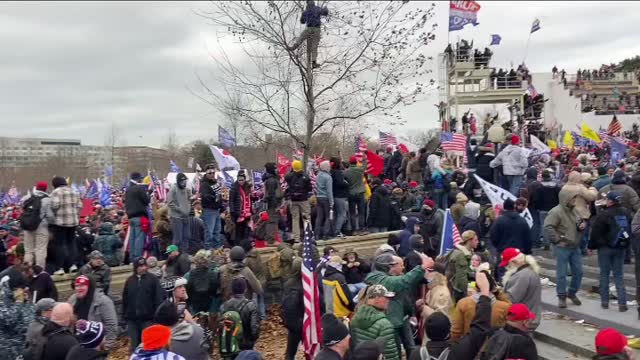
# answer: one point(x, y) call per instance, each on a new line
point(312, 18)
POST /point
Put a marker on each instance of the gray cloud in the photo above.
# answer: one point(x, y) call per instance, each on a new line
point(70, 69)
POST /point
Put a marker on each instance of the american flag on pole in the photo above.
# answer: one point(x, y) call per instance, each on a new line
point(453, 142)
point(615, 127)
point(450, 234)
point(311, 326)
point(532, 91)
point(387, 139)
point(158, 189)
point(360, 146)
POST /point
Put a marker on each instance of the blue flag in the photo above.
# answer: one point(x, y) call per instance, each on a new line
point(105, 196)
point(535, 26)
point(618, 150)
point(225, 138)
point(108, 171)
point(495, 39)
point(228, 180)
point(450, 234)
point(92, 191)
point(173, 167)
point(257, 179)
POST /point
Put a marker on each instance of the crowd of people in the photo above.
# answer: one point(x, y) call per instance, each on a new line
point(407, 300)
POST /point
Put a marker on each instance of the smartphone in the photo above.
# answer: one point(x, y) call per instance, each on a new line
point(182, 306)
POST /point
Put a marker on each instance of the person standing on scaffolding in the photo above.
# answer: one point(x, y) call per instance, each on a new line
point(312, 18)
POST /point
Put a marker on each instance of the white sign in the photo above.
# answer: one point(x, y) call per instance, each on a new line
point(498, 195)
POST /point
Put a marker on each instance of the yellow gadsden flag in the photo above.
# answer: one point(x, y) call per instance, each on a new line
point(552, 144)
point(588, 133)
point(567, 140)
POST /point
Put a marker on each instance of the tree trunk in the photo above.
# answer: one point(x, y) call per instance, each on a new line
point(311, 110)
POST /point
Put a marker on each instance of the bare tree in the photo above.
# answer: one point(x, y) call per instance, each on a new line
point(171, 143)
point(371, 58)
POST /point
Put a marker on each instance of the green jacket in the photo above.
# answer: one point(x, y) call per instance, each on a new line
point(460, 269)
point(355, 175)
point(255, 263)
point(560, 226)
point(401, 284)
point(370, 323)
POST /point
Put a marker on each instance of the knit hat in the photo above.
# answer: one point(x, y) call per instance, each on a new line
point(239, 286)
point(139, 262)
point(609, 342)
point(515, 139)
point(509, 254)
point(155, 337)
point(136, 176)
point(468, 236)
point(619, 177)
point(333, 331)
point(368, 350)
point(430, 203)
point(413, 184)
point(42, 186)
point(296, 165)
point(353, 160)
point(509, 205)
point(44, 304)
point(58, 181)
point(167, 314)
point(89, 333)
point(95, 254)
point(384, 249)
point(237, 254)
point(437, 327)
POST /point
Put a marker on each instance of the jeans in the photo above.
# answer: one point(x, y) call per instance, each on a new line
point(543, 216)
point(323, 224)
point(440, 197)
point(134, 331)
point(404, 337)
point(262, 310)
point(573, 258)
point(136, 239)
point(342, 206)
point(356, 211)
point(64, 247)
point(211, 219)
point(536, 229)
point(514, 182)
point(299, 209)
point(611, 260)
point(377, 229)
point(179, 229)
point(585, 237)
point(355, 288)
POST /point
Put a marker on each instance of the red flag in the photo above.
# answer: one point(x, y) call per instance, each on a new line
point(284, 164)
point(403, 148)
point(375, 164)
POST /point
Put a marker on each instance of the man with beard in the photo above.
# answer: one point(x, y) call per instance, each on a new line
point(179, 208)
point(92, 304)
point(522, 282)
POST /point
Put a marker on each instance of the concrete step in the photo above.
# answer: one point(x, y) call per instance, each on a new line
point(547, 351)
point(588, 283)
point(590, 270)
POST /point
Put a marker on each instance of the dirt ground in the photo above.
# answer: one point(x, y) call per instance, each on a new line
point(272, 343)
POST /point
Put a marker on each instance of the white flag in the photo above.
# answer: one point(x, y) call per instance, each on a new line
point(190, 163)
point(539, 145)
point(198, 168)
point(224, 159)
point(498, 195)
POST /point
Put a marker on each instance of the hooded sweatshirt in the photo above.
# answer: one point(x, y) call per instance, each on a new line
point(186, 339)
point(179, 203)
point(513, 160)
point(403, 237)
point(560, 226)
point(583, 195)
point(80, 352)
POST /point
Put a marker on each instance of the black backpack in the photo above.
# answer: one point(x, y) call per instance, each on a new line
point(297, 189)
point(498, 346)
point(36, 347)
point(619, 233)
point(30, 218)
point(199, 288)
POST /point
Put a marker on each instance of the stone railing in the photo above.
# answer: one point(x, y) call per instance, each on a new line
point(365, 245)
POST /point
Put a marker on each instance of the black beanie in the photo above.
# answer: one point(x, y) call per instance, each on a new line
point(237, 253)
point(509, 205)
point(437, 327)
point(238, 286)
point(136, 176)
point(58, 181)
point(167, 314)
point(333, 331)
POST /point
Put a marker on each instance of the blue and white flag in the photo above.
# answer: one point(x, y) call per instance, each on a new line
point(257, 179)
point(450, 234)
point(225, 138)
point(618, 150)
point(105, 196)
point(92, 191)
point(535, 26)
point(173, 167)
point(108, 171)
point(462, 13)
point(495, 39)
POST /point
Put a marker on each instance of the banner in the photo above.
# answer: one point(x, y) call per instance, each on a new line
point(498, 195)
point(462, 13)
point(567, 140)
point(225, 138)
point(539, 145)
point(284, 164)
point(224, 159)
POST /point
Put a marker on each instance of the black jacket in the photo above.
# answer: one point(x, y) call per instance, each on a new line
point(141, 297)
point(271, 185)
point(250, 319)
point(235, 200)
point(292, 309)
point(467, 223)
point(511, 230)
point(178, 266)
point(293, 178)
point(136, 201)
point(602, 226)
point(328, 354)
point(59, 343)
point(469, 346)
point(210, 194)
point(340, 184)
point(379, 208)
point(80, 352)
point(483, 169)
point(546, 196)
point(43, 286)
point(522, 345)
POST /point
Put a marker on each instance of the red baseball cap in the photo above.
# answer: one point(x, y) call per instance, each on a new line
point(519, 312)
point(430, 203)
point(413, 184)
point(82, 280)
point(509, 254)
point(609, 342)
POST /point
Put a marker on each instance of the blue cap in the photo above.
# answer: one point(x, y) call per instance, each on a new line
point(614, 196)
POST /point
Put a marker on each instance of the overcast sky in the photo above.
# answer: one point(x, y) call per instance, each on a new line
point(70, 70)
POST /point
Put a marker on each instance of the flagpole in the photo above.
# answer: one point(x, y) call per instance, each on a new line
point(526, 50)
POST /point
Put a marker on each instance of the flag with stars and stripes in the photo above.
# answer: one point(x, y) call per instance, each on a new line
point(387, 139)
point(159, 189)
point(450, 234)
point(311, 325)
point(359, 147)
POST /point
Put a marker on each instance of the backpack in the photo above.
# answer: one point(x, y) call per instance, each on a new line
point(226, 277)
point(424, 354)
point(274, 266)
point(199, 288)
point(30, 218)
point(35, 349)
point(498, 346)
point(619, 237)
point(231, 333)
point(297, 187)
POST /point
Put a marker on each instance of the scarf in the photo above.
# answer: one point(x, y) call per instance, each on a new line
point(245, 211)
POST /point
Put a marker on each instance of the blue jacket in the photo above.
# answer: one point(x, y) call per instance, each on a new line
point(324, 186)
point(511, 230)
point(403, 237)
point(601, 182)
point(312, 15)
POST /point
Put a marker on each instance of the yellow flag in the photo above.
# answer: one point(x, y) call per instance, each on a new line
point(367, 189)
point(552, 144)
point(567, 140)
point(147, 180)
point(68, 179)
point(588, 133)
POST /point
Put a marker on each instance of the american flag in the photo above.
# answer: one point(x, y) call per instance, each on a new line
point(360, 146)
point(311, 326)
point(615, 127)
point(387, 139)
point(453, 142)
point(158, 188)
point(532, 91)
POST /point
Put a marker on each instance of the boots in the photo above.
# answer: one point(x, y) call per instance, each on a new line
point(562, 302)
point(623, 307)
point(574, 299)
